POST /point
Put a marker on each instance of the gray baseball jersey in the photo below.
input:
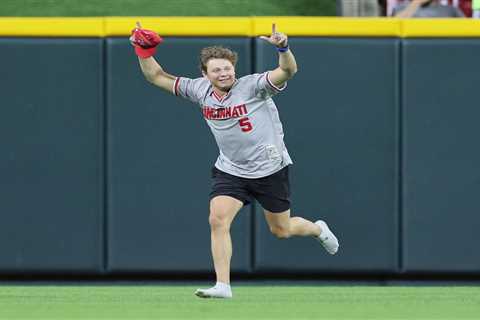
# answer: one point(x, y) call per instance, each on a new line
point(244, 122)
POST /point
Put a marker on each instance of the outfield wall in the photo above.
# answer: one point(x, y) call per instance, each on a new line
point(102, 173)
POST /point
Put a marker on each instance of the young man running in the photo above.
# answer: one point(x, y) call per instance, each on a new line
point(253, 160)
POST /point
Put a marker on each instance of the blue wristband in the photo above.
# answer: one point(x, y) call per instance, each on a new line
point(284, 49)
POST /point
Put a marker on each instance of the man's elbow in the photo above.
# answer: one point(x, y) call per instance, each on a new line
point(295, 70)
point(148, 77)
point(291, 72)
point(152, 76)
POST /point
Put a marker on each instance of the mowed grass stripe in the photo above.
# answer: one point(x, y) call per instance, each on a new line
point(250, 302)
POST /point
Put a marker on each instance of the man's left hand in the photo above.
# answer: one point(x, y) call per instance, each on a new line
point(278, 39)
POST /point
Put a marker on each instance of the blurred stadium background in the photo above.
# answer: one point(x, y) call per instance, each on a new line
point(381, 121)
point(167, 8)
point(71, 8)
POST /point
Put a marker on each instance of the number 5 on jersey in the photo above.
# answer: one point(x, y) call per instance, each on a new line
point(245, 124)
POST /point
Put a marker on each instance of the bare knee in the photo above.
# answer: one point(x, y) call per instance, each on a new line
point(281, 232)
point(222, 211)
point(218, 221)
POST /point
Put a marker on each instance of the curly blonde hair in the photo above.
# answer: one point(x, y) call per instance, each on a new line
point(216, 52)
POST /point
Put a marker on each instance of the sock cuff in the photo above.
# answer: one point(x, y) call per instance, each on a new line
point(222, 285)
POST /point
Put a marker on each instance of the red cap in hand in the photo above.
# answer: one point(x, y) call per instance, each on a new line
point(145, 42)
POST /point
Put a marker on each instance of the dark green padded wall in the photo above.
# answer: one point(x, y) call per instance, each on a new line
point(51, 163)
point(441, 186)
point(340, 116)
point(362, 118)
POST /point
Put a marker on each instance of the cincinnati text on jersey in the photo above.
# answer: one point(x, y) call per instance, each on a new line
point(211, 113)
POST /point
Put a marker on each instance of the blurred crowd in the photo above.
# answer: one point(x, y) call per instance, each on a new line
point(410, 8)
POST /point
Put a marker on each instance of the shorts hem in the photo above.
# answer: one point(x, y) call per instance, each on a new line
point(276, 210)
point(235, 196)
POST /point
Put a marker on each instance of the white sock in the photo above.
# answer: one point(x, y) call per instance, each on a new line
point(223, 286)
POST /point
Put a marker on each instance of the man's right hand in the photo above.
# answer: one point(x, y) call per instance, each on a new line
point(145, 41)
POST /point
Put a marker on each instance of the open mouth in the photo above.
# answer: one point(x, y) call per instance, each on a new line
point(225, 82)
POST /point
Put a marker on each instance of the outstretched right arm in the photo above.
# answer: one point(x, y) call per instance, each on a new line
point(145, 43)
point(154, 74)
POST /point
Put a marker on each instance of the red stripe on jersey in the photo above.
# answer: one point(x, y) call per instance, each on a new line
point(274, 86)
point(218, 97)
point(175, 87)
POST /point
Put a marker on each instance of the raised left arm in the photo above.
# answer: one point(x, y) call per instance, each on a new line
point(287, 66)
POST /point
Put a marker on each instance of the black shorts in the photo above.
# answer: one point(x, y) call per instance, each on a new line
point(272, 192)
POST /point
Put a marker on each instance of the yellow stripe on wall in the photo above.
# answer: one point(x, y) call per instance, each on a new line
point(315, 26)
point(412, 28)
point(182, 26)
point(52, 27)
point(240, 26)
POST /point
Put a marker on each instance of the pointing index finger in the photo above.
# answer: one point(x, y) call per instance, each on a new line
point(273, 28)
point(138, 25)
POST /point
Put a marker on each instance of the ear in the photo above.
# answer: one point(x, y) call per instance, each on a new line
point(204, 74)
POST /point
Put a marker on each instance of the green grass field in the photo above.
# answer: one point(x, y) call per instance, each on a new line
point(249, 302)
point(167, 7)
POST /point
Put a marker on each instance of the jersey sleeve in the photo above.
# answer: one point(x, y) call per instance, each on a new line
point(264, 87)
point(191, 89)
